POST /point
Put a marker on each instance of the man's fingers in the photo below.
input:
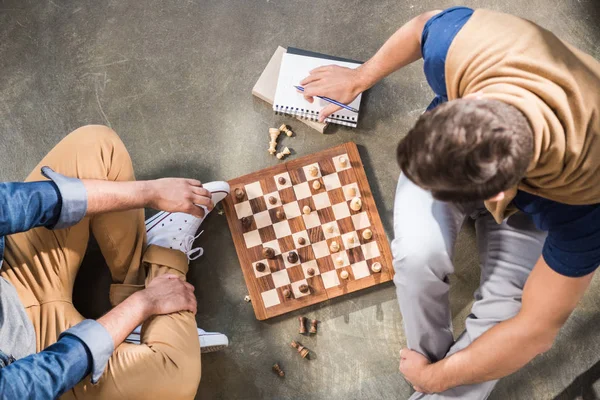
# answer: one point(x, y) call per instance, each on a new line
point(200, 191)
point(310, 99)
point(194, 182)
point(327, 111)
point(196, 211)
point(309, 79)
point(189, 286)
point(321, 69)
point(203, 201)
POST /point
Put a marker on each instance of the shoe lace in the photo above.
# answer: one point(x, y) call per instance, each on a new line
point(186, 247)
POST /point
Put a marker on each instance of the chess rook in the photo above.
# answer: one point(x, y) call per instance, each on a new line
point(302, 322)
point(313, 326)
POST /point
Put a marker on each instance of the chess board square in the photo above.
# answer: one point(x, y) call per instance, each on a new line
point(302, 190)
point(330, 279)
point(337, 196)
point(263, 219)
point(307, 168)
point(347, 194)
point(274, 244)
point(326, 215)
point(343, 256)
point(266, 272)
point(321, 249)
point(267, 233)
point(314, 191)
point(355, 255)
point(270, 298)
point(276, 196)
point(296, 290)
point(361, 221)
point(288, 181)
point(253, 190)
point(311, 220)
point(350, 235)
point(286, 244)
point(306, 253)
point(341, 210)
point(335, 232)
point(370, 250)
point(298, 235)
point(282, 229)
point(347, 177)
point(346, 225)
point(287, 263)
point(276, 263)
point(338, 165)
point(243, 209)
point(252, 238)
point(321, 201)
point(315, 234)
point(310, 264)
point(292, 210)
point(258, 205)
point(287, 195)
point(280, 278)
point(360, 270)
point(331, 181)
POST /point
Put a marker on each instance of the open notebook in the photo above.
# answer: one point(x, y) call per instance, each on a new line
point(295, 66)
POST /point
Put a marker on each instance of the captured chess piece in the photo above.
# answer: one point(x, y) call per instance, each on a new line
point(303, 288)
point(292, 257)
point(287, 293)
point(356, 204)
point(239, 193)
point(284, 152)
point(285, 129)
point(302, 321)
point(301, 349)
point(268, 252)
point(367, 234)
point(260, 267)
point(376, 267)
point(277, 369)
point(273, 134)
point(313, 326)
point(281, 180)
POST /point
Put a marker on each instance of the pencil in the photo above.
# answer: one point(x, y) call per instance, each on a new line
point(332, 101)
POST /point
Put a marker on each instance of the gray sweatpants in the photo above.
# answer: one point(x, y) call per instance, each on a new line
point(425, 232)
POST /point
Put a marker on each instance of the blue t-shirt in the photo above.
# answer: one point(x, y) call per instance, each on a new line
point(572, 247)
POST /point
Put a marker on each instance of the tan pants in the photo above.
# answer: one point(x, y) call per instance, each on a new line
point(42, 265)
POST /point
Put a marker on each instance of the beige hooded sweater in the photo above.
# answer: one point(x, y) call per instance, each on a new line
point(556, 86)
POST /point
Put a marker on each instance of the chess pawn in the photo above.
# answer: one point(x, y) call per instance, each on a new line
point(287, 293)
point(268, 252)
point(344, 274)
point(356, 204)
point(376, 267)
point(302, 321)
point(334, 247)
point(285, 129)
point(306, 210)
point(303, 288)
point(316, 185)
point(284, 153)
point(367, 234)
point(343, 161)
point(277, 369)
point(313, 171)
point(239, 193)
point(301, 349)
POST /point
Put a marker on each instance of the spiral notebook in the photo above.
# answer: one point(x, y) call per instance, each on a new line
point(295, 66)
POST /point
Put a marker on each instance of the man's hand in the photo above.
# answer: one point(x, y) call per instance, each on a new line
point(179, 195)
point(338, 83)
point(167, 294)
point(415, 368)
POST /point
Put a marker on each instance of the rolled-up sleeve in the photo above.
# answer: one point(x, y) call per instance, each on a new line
point(73, 198)
point(98, 342)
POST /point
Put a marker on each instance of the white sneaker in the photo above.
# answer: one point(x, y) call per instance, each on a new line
point(178, 230)
point(209, 341)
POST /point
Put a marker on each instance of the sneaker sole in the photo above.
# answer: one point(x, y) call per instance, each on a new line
point(208, 343)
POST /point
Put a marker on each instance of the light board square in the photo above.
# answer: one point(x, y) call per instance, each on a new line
point(311, 220)
point(331, 181)
point(360, 270)
point(297, 292)
point(282, 229)
point(338, 165)
point(252, 238)
point(370, 250)
point(330, 279)
point(266, 272)
point(336, 230)
point(292, 210)
point(349, 235)
point(321, 249)
point(287, 263)
point(300, 234)
point(243, 209)
point(270, 298)
point(306, 169)
point(262, 219)
point(361, 221)
point(343, 256)
point(288, 181)
point(347, 195)
point(269, 205)
point(341, 210)
point(253, 190)
point(280, 278)
point(302, 190)
point(321, 201)
point(310, 264)
point(274, 244)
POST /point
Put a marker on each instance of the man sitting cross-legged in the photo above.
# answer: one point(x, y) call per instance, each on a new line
point(47, 225)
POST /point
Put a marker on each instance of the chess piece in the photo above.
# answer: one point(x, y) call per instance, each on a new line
point(246, 222)
point(376, 267)
point(329, 228)
point(302, 321)
point(367, 234)
point(310, 271)
point(287, 293)
point(285, 152)
point(303, 288)
point(260, 267)
point(317, 185)
point(292, 257)
point(313, 326)
point(306, 210)
point(339, 261)
point(247, 298)
point(351, 240)
point(301, 349)
point(273, 133)
point(301, 241)
point(277, 369)
point(239, 193)
point(356, 204)
point(285, 129)
point(281, 180)
point(280, 214)
point(344, 274)
point(343, 161)
point(351, 192)
point(313, 171)
point(268, 252)
point(334, 247)
point(272, 200)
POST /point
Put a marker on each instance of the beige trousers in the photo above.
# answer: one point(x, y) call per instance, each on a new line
point(42, 265)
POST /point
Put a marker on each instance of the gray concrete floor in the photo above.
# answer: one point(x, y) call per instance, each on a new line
point(174, 79)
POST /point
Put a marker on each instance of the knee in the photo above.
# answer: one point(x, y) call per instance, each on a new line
point(418, 261)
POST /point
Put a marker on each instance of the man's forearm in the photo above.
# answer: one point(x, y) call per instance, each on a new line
point(109, 196)
point(401, 49)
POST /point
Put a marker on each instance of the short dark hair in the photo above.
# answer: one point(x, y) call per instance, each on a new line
point(467, 150)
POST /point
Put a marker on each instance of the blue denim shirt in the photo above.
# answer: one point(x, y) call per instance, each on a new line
point(81, 350)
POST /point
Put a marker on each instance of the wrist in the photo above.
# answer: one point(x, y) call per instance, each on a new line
point(144, 303)
point(147, 193)
point(436, 377)
point(365, 78)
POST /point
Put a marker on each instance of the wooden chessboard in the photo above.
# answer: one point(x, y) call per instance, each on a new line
point(331, 207)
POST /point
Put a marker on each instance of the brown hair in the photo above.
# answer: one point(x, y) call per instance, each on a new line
point(467, 150)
